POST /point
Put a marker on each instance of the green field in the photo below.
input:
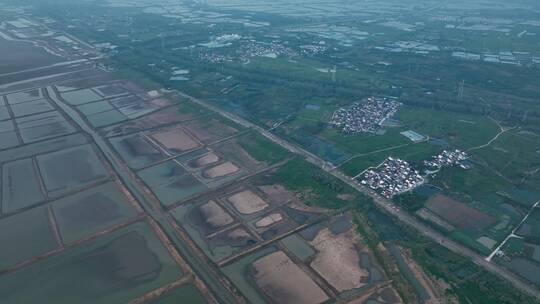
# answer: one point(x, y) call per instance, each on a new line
point(314, 186)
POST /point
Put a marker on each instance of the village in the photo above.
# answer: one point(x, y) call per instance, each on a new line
point(392, 177)
point(447, 159)
point(366, 116)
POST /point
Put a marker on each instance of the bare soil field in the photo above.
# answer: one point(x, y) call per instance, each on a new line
point(208, 159)
point(247, 202)
point(459, 214)
point(277, 193)
point(338, 261)
point(176, 139)
point(210, 130)
point(269, 220)
point(284, 282)
point(214, 215)
point(221, 170)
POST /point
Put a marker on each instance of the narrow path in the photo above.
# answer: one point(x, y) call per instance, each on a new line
point(513, 233)
point(502, 131)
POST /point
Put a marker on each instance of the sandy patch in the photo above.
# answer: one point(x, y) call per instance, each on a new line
point(269, 220)
point(284, 282)
point(338, 261)
point(247, 202)
point(208, 159)
point(214, 215)
point(176, 139)
point(221, 170)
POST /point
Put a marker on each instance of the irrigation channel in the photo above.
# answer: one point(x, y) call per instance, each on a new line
point(200, 267)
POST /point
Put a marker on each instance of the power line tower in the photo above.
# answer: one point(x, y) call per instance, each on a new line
point(334, 71)
point(461, 89)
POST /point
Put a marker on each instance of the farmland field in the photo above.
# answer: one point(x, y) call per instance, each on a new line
point(115, 268)
point(91, 211)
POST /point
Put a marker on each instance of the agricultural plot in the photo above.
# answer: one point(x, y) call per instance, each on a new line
point(31, 107)
point(119, 109)
point(8, 135)
point(70, 169)
point(136, 151)
point(341, 258)
point(530, 229)
point(171, 183)
point(111, 90)
point(287, 283)
point(91, 211)
point(25, 96)
point(462, 131)
point(181, 112)
point(207, 224)
point(514, 155)
point(25, 236)
point(176, 140)
point(459, 214)
point(95, 107)
point(20, 185)
point(522, 256)
point(106, 118)
point(80, 97)
point(211, 129)
point(329, 249)
point(214, 221)
point(115, 268)
point(4, 112)
point(43, 126)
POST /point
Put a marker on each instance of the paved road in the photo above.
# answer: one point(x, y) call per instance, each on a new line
point(383, 203)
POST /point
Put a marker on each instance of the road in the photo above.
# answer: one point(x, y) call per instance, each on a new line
point(381, 202)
